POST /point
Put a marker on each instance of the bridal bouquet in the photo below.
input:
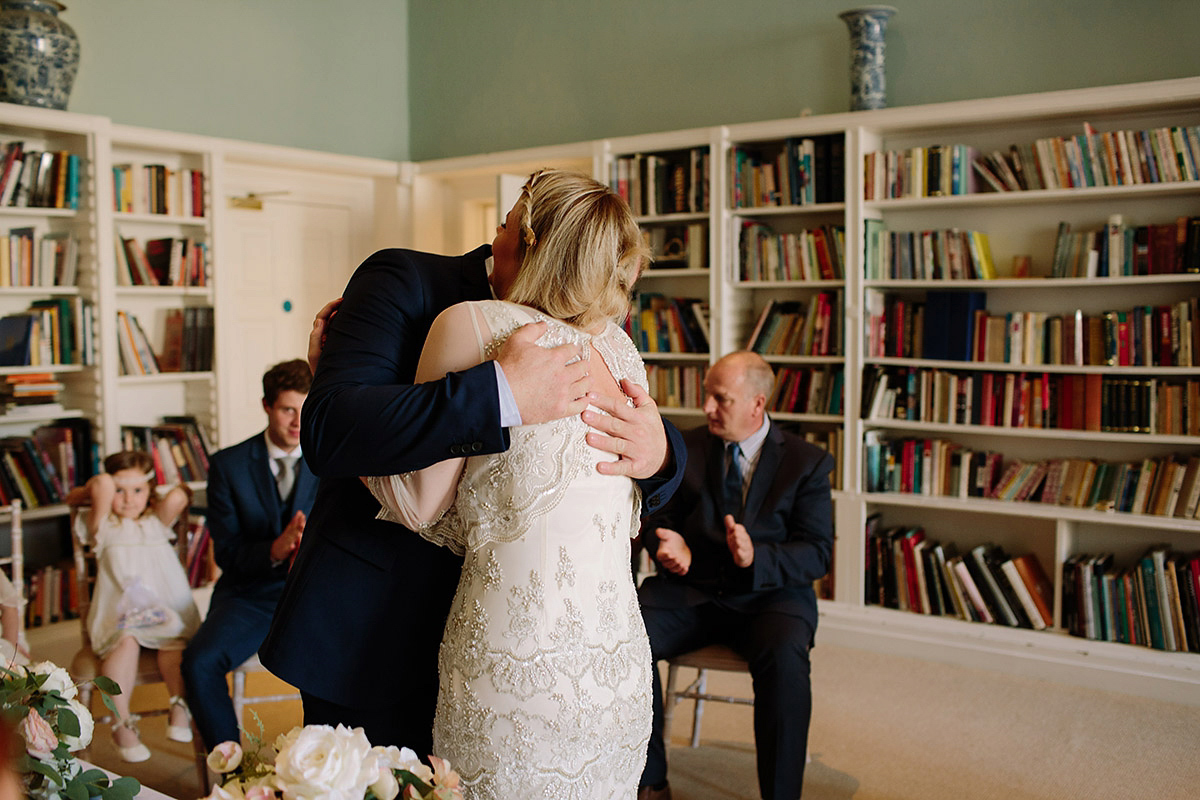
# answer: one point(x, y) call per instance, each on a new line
point(317, 761)
point(39, 702)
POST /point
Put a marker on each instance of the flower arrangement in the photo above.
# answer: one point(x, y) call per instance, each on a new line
point(39, 701)
point(319, 761)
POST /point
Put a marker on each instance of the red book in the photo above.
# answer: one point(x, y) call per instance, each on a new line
point(1093, 398)
point(911, 539)
point(987, 415)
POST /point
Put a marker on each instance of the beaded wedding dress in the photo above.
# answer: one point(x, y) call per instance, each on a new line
point(544, 666)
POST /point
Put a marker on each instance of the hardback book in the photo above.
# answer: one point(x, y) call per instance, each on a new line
point(1038, 584)
point(985, 580)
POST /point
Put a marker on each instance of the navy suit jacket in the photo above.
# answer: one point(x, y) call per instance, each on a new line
point(788, 514)
point(366, 600)
point(245, 514)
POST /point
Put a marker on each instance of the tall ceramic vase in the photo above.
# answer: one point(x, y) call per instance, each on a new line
point(39, 54)
point(868, 86)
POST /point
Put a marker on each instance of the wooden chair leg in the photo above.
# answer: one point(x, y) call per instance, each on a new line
point(670, 698)
point(239, 694)
point(701, 688)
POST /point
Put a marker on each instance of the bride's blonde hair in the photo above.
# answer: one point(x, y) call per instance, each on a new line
point(581, 251)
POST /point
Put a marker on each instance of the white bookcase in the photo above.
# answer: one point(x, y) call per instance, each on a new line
point(190, 389)
point(82, 137)
point(1018, 223)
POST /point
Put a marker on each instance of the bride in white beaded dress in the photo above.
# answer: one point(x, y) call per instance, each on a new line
point(544, 667)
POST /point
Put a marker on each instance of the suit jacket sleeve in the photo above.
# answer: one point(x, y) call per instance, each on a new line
point(657, 490)
point(806, 553)
point(363, 414)
point(236, 552)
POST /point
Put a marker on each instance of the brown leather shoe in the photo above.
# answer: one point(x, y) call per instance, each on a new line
point(650, 793)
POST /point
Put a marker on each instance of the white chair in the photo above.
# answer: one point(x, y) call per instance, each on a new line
point(714, 656)
point(241, 699)
point(16, 562)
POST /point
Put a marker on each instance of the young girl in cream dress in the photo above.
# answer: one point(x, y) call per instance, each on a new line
point(141, 597)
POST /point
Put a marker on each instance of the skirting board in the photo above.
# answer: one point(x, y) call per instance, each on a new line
point(1058, 657)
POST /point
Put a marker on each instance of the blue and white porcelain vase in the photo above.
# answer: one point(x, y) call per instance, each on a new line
point(868, 86)
point(39, 54)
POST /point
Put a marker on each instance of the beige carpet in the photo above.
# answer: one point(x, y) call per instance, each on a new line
point(884, 728)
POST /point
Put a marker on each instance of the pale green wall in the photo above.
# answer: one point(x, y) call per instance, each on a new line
point(320, 74)
point(423, 79)
point(495, 76)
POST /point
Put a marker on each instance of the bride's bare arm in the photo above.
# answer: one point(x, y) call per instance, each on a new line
point(420, 497)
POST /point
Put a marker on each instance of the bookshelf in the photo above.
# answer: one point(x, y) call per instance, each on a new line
point(924, 314)
point(159, 287)
point(668, 181)
point(1021, 229)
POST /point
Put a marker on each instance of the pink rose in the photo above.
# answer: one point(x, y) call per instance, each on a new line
point(40, 739)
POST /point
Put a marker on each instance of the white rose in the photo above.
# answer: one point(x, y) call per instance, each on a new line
point(404, 758)
point(86, 726)
point(225, 757)
point(318, 761)
point(230, 791)
point(58, 678)
point(385, 787)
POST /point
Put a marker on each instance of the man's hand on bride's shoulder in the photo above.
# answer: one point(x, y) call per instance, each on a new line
point(635, 433)
point(548, 383)
point(320, 329)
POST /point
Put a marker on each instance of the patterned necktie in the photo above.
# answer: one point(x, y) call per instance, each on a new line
point(733, 483)
point(286, 476)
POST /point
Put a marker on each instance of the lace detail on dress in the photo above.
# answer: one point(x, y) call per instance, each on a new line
point(500, 495)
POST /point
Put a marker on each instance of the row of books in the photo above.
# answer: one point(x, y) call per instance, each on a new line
point(52, 331)
point(909, 571)
point(1086, 159)
point(165, 261)
point(1161, 486)
point(808, 255)
point(663, 183)
point(158, 189)
point(1151, 602)
point(677, 246)
point(179, 446)
point(952, 254)
point(41, 468)
point(661, 324)
point(39, 179)
point(51, 595)
point(1093, 158)
point(956, 326)
point(676, 386)
point(1118, 249)
point(811, 327)
point(187, 342)
point(795, 171)
point(52, 260)
point(933, 171)
point(1091, 402)
point(28, 394)
point(808, 390)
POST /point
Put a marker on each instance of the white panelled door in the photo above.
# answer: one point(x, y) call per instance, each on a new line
point(287, 260)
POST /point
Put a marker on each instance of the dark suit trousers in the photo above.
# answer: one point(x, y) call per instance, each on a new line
point(237, 622)
point(776, 647)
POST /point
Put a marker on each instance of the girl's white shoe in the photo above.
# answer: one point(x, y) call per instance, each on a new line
point(180, 733)
point(136, 752)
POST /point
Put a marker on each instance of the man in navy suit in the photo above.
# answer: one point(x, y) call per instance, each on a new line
point(259, 493)
point(738, 547)
point(361, 618)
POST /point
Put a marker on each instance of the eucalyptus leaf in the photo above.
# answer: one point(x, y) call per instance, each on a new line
point(76, 790)
point(122, 789)
point(106, 685)
point(68, 722)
